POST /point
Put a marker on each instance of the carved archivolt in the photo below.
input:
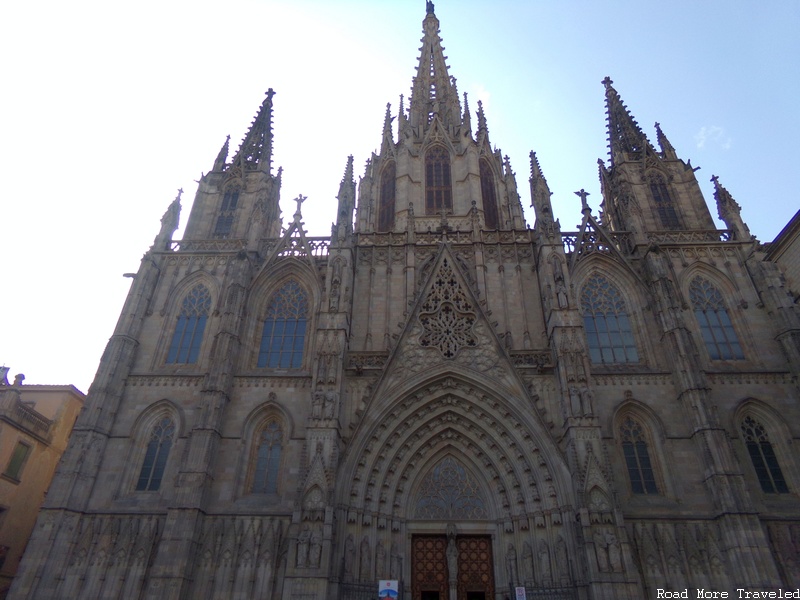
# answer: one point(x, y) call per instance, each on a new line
point(501, 461)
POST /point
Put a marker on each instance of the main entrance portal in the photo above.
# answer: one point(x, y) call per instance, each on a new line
point(466, 566)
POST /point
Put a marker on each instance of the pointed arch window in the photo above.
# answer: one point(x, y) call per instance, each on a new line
point(763, 457)
point(488, 195)
point(637, 457)
point(188, 334)
point(608, 328)
point(438, 185)
point(449, 491)
point(665, 207)
point(267, 459)
point(715, 324)
point(224, 224)
point(284, 332)
point(386, 210)
point(156, 455)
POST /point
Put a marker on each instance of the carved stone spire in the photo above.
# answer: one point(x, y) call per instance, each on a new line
point(255, 153)
point(467, 119)
point(540, 198)
point(219, 163)
point(730, 211)
point(666, 147)
point(433, 92)
point(624, 134)
point(169, 223)
point(347, 200)
point(387, 141)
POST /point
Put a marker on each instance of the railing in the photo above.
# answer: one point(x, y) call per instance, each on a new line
point(699, 235)
point(24, 416)
point(548, 593)
point(208, 245)
point(593, 242)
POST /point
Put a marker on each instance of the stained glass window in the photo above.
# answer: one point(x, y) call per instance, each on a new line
point(488, 195)
point(284, 332)
point(763, 456)
point(608, 328)
point(665, 208)
point(188, 335)
point(386, 211)
point(438, 186)
point(268, 459)
point(715, 324)
point(449, 491)
point(155, 458)
point(637, 457)
point(224, 224)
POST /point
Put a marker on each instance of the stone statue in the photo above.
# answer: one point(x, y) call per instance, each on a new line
point(365, 571)
point(315, 548)
point(601, 551)
point(614, 552)
point(544, 563)
point(349, 557)
point(511, 564)
point(302, 547)
point(316, 405)
point(452, 559)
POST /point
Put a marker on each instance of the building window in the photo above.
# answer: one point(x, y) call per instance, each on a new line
point(608, 328)
point(185, 346)
point(386, 211)
point(17, 462)
point(637, 457)
point(226, 212)
point(763, 457)
point(268, 459)
point(438, 187)
point(665, 208)
point(155, 458)
point(284, 332)
point(715, 324)
point(488, 195)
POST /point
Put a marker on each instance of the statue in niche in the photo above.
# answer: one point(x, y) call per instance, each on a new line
point(380, 561)
point(349, 557)
point(614, 552)
point(527, 562)
point(396, 560)
point(302, 547)
point(336, 282)
point(316, 405)
point(511, 564)
point(452, 559)
point(562, 561)
point(601, 551)
point(365, 566)
point(575, 401)
point(587, 402)
point(330, 404)
point(315, 548)
point(544, 563)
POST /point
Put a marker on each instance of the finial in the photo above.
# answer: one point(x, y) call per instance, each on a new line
point(300, 199)
point(607, 82)
point(584, 205)
point(429, 7)
point(180, 193)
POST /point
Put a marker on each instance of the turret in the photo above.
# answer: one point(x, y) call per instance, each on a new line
point(347, 201)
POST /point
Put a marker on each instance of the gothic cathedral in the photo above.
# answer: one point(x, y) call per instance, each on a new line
point(438, 393)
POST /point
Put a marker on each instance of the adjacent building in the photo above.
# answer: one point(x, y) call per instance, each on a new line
point(35, 423)
point(439, 393)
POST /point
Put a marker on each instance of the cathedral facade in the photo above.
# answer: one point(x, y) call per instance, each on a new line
point(439, 393)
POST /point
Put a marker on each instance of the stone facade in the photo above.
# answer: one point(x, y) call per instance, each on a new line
point(437, 393)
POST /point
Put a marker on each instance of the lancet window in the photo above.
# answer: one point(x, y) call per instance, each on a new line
point(284, 332)
point(156, 455)
point(387, 198)
point(188, 334)
point(665, 208)
point(763, 457)
point(226, 213)
point(715, 323)
point(438, 185)
point(637, 457)
point(269, 444)
point(608, 328)
point(488, 195)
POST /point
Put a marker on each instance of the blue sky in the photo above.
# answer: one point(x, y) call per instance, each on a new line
point(108, 108)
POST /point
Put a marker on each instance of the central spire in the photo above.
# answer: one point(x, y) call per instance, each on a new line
point(433, 93)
